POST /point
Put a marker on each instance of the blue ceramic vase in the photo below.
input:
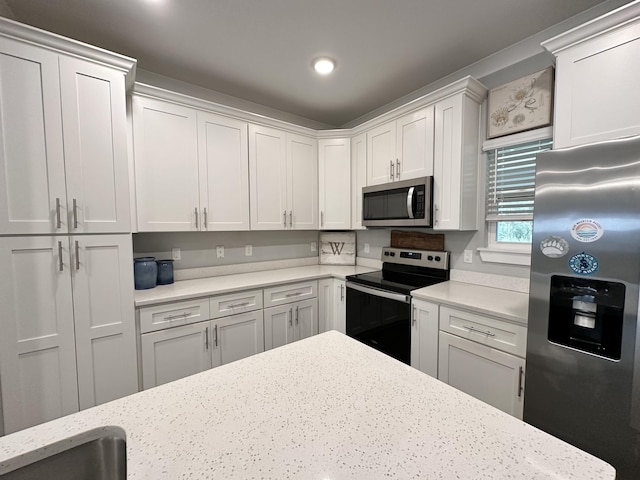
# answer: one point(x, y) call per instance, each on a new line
point(145, 272)
point(165, 272)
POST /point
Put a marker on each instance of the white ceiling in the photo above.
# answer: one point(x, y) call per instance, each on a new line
point(261, 50)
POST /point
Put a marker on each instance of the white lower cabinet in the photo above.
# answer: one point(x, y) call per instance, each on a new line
point(67, 322)
point(483, 372)
point(332, 305)
point(424, 337)
point(288, 323)
point(178, 352)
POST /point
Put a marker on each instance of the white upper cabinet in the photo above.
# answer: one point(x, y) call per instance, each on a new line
point(358, 178)
point(334, 170)
point(456, 158)
point(63, 155)
point(283, 180)
point(166, 164)
point(597, 70)
point(192, 170)
point(224, 172)
point(401, 149)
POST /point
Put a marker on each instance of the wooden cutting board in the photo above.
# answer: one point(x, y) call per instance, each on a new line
point(417, 240)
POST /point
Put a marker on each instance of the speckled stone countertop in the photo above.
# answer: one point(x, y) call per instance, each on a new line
point(323, 408)
point(202, 287)
point(504, 304)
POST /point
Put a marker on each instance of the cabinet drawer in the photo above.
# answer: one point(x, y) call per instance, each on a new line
point(224, 305)
point(289, 293)
point(173, 314)
point(489, 331)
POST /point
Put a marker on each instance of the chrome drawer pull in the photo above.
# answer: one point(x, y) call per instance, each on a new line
point(293, 294)
point(206, 338)
point(174, 317)
point(476, 330)
point(520, 375)
point(238, 305)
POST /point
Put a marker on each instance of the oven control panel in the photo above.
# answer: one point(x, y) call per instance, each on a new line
point(418, 258)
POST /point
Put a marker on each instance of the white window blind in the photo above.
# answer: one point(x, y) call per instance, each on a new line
point(511, 180)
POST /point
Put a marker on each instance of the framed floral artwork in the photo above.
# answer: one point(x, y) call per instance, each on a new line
point(520, 105)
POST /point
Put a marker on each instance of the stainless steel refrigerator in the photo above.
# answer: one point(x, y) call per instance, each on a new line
point(583, 349)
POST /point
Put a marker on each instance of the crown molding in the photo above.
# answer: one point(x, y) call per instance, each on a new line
point(614, 20)
point(67, 46)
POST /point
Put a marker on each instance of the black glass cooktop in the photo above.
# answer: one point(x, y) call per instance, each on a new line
point(400, 279)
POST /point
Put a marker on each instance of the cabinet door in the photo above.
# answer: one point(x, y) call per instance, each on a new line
point(596, 97)
point(102, 276)
point(236, 337)
point(31, 152)
point(95, 147)
point(37, 348)
point(302, 172)
point(358, 178)
point(278, 326)
point(414, 144)
point(485, 373)
point(305, 318)
point(166, 166)
point(268, 178)
point(424, 337)
point(339, 306)
point(175, 353)
point(381, 154)
point(224, 172)
point(334, 168)
point(325, 305)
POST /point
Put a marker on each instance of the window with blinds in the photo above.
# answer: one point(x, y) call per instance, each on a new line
point(511, 180)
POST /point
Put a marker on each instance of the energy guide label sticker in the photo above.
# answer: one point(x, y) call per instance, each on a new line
point(587, 230)
point(554, 247)
point(583, 264)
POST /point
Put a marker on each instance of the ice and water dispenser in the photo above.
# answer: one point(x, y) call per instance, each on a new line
point(587, 314)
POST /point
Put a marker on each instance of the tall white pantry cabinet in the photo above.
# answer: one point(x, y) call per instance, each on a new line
point(66, 298)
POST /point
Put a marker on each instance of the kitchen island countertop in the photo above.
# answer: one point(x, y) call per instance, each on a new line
point(326, 407)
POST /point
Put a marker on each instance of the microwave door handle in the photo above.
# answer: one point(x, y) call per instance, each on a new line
point(410, 202)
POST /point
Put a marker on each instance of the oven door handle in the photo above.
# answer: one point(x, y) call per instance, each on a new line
point(410, 202)
point(398, 297)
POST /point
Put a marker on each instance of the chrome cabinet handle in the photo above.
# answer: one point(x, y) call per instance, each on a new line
point(476, 330)
point(285, 218)
point(321, 218)
point(391, 169)
point(290, 218)
point(75, 213)
point(195, 212)
point(180, 315)
point(204, 220)
point(206, 338)
point(60, 263)
point(58, 218)
point(342, 293)
point(215, 332)
point(397, 168)
point(295, 294)
point(296, 315)
point(413, 316)
point(291, 317)
point(435, 214)
point(238, 305)
point(77, 256)
point(520, 387)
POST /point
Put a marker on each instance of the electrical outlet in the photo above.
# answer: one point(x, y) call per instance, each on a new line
point(220, 252)
point(314, 246)
point(367, 249)
point(175, 254)
point(468, 256)
point(248, 250)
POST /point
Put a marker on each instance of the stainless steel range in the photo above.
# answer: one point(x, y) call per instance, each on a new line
point(379, 303)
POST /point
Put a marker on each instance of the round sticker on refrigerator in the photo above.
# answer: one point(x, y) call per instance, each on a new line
point(583, 264)
point(587, 230)
point(554, 247)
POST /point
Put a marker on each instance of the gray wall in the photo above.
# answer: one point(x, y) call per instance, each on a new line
point(198, 249)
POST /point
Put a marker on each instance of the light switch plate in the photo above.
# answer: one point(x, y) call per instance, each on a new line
point(175, 254)
point(367, 249)
point(248, 250)
point(314, 246)
point(468, 256)
point(220, 252)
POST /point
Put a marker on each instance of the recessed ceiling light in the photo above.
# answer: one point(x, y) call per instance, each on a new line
point(324, 65)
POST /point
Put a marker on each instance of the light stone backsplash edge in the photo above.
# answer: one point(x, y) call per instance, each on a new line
point(503, 282)
point(215, 271)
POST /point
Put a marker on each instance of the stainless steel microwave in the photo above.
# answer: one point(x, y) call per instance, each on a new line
point(408, 203)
